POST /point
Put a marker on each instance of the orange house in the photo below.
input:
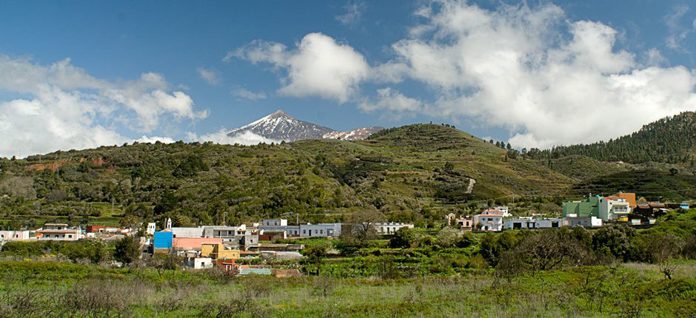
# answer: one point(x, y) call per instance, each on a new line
point(629, 197)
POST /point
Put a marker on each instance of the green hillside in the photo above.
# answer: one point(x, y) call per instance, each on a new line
point(414, 173)
point(668, 140)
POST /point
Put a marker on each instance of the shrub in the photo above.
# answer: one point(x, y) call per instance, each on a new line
point(127, 250)
point(614, 240)
point(403, 238)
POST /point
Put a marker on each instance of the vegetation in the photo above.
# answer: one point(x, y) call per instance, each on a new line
point(612, 271)
point(127, 250)
point(414, 173)
point(40, 289)
point(669, 140)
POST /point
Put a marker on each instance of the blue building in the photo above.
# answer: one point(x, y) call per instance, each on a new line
point(163, 239)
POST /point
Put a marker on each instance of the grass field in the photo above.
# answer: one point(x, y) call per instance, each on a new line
point(48, 289)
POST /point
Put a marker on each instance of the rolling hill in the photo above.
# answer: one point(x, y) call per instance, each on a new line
point(411, 173)
point(414, 173)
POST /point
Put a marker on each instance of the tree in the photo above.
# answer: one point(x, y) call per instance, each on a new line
point(448, 237)
point(361, 227)
point(614, 240)
point(314, 257)
point(127, 250)
point(544, 250)
point(403, 238)
point(190, 166)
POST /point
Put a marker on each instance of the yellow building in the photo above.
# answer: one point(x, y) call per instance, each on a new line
point(218, 251)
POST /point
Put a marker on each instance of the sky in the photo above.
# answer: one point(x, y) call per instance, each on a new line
point(80, 74)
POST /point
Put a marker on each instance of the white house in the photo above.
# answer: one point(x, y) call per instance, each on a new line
point(613, 207)
point(320, 230)
point(59, 232)
point(390, 228)
point(226, 232)
point(533, 223)
point(14, 235)
point(151, 228)
point(490, 220)
point(274, 222)
point(302, 230)
point(504, 209)
point(187, 231)
point(202, 263)
point(573, 220)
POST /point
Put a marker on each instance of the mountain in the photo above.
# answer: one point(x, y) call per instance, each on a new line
point(415, 173)
point(281, 126)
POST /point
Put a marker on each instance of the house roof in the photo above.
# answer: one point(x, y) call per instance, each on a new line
point(194, 242)
point(629, 197)
point(585, 208)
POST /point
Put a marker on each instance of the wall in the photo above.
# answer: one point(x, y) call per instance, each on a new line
point(163, 240)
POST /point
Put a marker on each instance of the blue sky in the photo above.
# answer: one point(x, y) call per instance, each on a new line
point(533, 73)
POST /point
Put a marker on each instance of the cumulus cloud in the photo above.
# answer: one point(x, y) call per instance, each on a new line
point(63, 107)
point(246, 138)
point(244, 93)
point(532, 70)
point(392, 100)
point(545, 78)
point(208, 75)
point(352, 13)
point(319, 66)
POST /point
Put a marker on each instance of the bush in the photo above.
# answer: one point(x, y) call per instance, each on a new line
point(403, 238)
point(614, 240)
point(127, 250)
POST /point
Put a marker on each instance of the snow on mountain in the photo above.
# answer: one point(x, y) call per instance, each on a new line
point(281, 126)
point(355, 134)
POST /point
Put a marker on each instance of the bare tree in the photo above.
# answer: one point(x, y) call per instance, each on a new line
point(361, 226)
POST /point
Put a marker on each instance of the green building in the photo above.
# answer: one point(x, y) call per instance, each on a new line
point(585, 208)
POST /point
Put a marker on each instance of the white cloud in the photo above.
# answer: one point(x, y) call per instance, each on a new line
point(677, 32)
point(247, 138)
point(148, 99)
point(208, 75)
point(154, 139)
point(244, 93)
point(654, 57)
point(353, 13)
point(63, 107)
point(392, 100)
point(546, 79)
point(318, 67)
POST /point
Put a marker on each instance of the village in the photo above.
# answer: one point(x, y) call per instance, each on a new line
point(252, 248)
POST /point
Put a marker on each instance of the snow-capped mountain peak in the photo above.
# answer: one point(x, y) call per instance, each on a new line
point(281, 126)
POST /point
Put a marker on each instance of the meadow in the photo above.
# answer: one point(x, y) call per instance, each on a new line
point(56, 289)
